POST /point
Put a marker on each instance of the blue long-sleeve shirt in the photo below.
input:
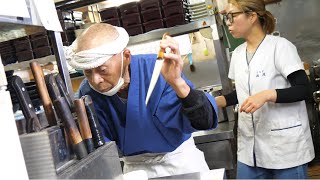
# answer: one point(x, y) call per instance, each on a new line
point(159, 127)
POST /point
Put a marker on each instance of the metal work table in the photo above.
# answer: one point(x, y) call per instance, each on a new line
point(222, 132)
point(218, 145)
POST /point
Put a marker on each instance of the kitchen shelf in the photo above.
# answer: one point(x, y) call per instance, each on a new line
point(26, 64)
point(15, 27)
point(173, 31)
point(74, 4)
point(11, 28)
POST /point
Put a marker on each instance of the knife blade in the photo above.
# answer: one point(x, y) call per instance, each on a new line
point(156, 71)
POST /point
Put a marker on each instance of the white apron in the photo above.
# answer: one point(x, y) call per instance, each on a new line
point(187, 158)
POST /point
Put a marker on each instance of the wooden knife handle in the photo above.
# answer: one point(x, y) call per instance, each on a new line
point(43, 92)
point(82, 119)
point(52, 86)
point(64, 113)
point(84, 124)
point(95, 127)
point(161, 51)
point(32, 121)
point(64, 93)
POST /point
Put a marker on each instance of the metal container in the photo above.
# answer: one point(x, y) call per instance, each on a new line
point(47, 157)
point(44, 152)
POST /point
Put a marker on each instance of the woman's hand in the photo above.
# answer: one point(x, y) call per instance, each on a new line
point(253, 103)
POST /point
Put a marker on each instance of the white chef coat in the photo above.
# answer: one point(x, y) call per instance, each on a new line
point(277, 134)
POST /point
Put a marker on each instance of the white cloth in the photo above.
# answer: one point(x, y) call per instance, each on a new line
point(187, 158)
point(282, 137)
point(133, 175)
point(95, 57)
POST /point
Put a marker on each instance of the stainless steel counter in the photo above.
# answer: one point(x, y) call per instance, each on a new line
point(103, 163)
point(218, 146)
point(224, 131)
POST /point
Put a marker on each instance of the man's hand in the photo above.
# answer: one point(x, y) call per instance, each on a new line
point(253, 103)
point(172, 67)
point(221, 101)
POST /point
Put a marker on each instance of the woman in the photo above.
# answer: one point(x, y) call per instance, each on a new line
point(274, 139)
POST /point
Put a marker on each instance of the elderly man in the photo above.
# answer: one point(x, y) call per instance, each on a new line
point(157, 137)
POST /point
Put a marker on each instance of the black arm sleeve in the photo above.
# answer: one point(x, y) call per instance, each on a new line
point(198, 109)
point(231, 98)
point(299, 90)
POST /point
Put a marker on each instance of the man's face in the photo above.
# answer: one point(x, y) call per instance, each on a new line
point(106, 76)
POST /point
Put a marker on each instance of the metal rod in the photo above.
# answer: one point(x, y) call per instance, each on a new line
point(76, 4)
point(61, 60)
point(223, 65)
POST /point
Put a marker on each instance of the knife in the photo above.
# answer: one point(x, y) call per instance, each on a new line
point(62, 108)
point(43, 92)
point(156, 71)
point(52, 86)
point(95, 127)
point(84, 124)
point(64, 92)
point(32, 121)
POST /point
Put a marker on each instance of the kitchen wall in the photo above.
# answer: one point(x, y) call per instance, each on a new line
point(299, 22)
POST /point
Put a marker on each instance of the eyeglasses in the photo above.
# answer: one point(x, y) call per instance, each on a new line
point(229, 16)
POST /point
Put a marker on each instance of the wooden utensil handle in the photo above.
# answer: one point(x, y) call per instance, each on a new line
point(82, 119)
point(43, 92)
point(65, 115)
point(93, 122)
point(161, 51)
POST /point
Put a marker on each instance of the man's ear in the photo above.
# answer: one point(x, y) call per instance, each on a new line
point(126, 56)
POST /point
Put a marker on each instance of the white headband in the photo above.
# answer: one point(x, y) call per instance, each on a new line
point(95, 57)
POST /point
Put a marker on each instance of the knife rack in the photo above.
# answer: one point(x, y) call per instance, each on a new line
point(47, 156)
